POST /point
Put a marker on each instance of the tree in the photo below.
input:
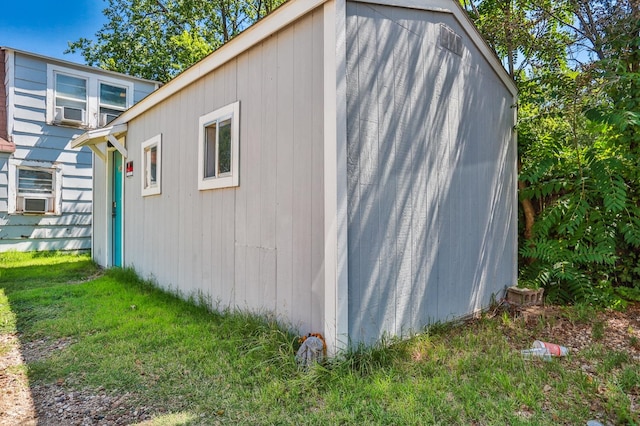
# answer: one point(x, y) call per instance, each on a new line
point(527, 36)
point(585, 179)
point(157, 40)
point(576, 66)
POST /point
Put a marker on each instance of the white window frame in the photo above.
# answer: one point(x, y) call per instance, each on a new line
point(16, 198)
point(92, 113)
point(155, 189)
point(86, 96)
point(112, 107)
point(231, 179)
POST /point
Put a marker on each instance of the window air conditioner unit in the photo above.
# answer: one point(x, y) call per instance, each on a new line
point(35, 205)
point(106, 118)
point(69, 115)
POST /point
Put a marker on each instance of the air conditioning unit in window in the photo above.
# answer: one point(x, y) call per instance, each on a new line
point(35, 205)
point(106, 118)
point(69, 115)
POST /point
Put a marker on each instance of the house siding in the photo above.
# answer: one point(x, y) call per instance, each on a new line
point(258, 246)
point(4, 182)
point(431, 174)
point(3, 98)
point(4, 156)
point(36, 140)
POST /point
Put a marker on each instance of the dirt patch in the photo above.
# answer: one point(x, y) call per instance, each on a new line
point(57, 406)
point(16, 404)
point(619, 331)
point(42, 349)
point(53, 405)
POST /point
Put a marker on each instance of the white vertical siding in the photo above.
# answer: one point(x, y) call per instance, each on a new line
point(258, 246)
point(431, 174)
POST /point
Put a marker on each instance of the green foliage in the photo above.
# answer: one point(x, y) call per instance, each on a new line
point(589, 223)
point(578, 140)
point(580, 150)
point(523, 33)
point(159, 39)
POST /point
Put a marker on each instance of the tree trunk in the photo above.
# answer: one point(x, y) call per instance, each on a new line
point(527, 208)
point(529, 212)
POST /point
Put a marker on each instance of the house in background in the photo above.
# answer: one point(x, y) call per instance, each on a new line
point(347, 165)
point(45, 185)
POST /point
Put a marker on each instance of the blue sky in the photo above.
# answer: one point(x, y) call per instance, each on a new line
point(45, 26)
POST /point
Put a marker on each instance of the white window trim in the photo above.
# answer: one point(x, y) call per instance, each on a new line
point(230, 179)
point(92, 114)
point(129, 100)
point(14, 166)
point(157, 188)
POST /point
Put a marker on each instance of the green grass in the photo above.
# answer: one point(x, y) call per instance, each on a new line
point(202, 367)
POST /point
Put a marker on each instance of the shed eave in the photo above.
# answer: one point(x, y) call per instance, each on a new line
point(96, 136)
point(103, 135)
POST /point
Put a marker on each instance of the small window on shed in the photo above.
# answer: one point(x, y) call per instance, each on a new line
point(218, 148)
point(151, 166)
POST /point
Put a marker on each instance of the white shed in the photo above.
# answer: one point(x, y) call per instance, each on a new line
point(348, 166)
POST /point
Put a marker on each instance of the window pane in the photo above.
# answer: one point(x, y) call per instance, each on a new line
point(153, 157)
point(113, 96)
point(35, 181)
point(210, 151)
point(111, 114)
point(71, 87)
point(224, 147)
point(70, 103)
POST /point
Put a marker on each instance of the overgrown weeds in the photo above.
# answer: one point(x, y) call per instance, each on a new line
point(207, 367)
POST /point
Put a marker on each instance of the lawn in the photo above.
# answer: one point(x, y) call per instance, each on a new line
point(177, 362)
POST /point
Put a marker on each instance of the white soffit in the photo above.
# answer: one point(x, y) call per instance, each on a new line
point(109, 134)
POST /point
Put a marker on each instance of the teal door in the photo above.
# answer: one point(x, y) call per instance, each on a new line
point(116, 210)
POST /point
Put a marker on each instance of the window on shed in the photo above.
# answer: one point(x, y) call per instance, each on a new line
point(151, 166)
point(70, 99)
point(218, 148)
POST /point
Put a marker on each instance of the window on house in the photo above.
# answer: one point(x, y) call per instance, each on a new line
point(34, 189)
point(70, 99)
point(219, 148)
point(151, 165)
point(85, 99)
point(113, 101)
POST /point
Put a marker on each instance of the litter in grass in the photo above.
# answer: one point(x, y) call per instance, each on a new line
point(312, 349)
point(544, 350)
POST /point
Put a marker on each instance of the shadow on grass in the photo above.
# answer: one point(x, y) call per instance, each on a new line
point(116, 334)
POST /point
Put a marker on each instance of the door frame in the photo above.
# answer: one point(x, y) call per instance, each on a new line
point(112, 239)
